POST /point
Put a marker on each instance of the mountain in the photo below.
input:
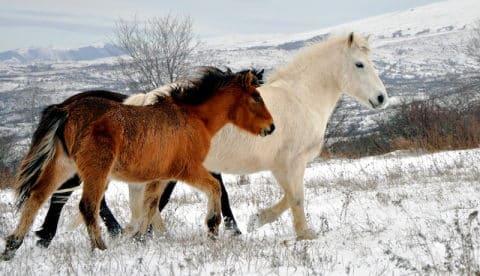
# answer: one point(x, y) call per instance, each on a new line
point(53, 54)
point(426, 41)
point(436, 18)
point(419, 54)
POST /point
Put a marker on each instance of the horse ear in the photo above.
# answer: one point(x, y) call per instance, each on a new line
point(248, 79)
point(260, 76)
point(350, 40)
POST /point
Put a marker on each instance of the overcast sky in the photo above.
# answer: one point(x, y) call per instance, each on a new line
point(63, 23)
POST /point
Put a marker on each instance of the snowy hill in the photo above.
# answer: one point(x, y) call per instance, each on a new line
point(418, 52)
point(437, 18)
point(443, 18)
point(53, 54)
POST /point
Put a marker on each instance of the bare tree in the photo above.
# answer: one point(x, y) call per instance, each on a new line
point(473, 46)
point(160, 50)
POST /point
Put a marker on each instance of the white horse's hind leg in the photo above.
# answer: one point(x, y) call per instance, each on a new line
point(151, 197)
point(135, 195)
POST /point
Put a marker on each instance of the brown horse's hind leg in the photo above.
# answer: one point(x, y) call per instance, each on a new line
point(55, 173)
point(94, 163)
point(89, 208)
point(205, 182)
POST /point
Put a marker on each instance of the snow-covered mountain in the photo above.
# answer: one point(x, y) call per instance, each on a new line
point(445, 19)
point(53, 54)
point(436, 18)
point(418, 52)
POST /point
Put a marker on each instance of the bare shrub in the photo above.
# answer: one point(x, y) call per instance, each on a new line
point(473, 46)
point(424, 125)
point(160, 50)
point(6, 168)
point(430, 126)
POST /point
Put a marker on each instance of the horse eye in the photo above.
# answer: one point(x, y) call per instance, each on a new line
point(359, 65)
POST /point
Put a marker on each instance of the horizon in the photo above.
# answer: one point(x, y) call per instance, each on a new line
point(59, 27)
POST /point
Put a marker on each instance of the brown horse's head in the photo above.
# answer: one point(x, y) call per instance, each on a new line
point(249, 111)
point(224, 96)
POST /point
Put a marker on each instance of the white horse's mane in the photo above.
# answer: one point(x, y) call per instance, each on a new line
point(151, 97)
point(316, 50)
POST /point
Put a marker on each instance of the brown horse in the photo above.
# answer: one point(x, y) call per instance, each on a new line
point(101, 139)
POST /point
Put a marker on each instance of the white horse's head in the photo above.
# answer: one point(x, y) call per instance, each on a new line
point(361, 79)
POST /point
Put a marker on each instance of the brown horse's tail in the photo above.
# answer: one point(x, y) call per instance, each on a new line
point(41, 152)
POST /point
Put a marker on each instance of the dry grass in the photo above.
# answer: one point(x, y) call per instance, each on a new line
point(424, 125)
point(6, 168)
point(7, 178)
point(430, 126)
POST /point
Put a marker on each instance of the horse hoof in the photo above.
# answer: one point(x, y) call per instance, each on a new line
point(212, 236)
point(129, 230)
point(231, 227)
point(234, 231)
point(140, 238)
point(43, 243)
point(7, 255)
point(253, 223)
point(99, 244)
point(115, 232)
point(307, 234)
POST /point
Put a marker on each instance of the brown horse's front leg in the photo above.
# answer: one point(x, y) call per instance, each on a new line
point(201, 179)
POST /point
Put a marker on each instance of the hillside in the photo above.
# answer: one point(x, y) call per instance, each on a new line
point(418, 52)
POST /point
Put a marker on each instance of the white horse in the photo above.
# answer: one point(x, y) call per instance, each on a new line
point(301, 97)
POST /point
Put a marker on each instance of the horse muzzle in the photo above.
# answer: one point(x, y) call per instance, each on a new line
point(267, 131)
point(379, 102)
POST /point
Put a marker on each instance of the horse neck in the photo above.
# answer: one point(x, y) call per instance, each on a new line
point(316, 78)
point(213, 113)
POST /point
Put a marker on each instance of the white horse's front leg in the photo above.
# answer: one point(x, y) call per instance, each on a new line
point(268, 215)
point(135, 195)
point(291, 180)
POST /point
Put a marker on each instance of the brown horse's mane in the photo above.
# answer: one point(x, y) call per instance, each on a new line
point(211, 79)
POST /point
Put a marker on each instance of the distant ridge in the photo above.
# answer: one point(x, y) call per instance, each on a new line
point(52, 54)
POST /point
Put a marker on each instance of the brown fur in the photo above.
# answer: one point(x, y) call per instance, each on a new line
point(144, 144)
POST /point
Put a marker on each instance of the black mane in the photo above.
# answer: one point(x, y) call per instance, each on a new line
point(199, 90)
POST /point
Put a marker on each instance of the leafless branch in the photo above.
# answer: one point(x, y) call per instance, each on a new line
point(473, 46)
point(159, 50)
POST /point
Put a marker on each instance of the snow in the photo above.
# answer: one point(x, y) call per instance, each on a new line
point(436, 17)
point(398, 213)
point(402, 213)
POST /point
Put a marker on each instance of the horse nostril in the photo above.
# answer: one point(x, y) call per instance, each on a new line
point(272, 128)
point(380, 99)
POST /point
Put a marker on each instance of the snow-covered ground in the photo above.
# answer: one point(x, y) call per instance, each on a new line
point(406, 213)
point(402, 213)
point(420, 54)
